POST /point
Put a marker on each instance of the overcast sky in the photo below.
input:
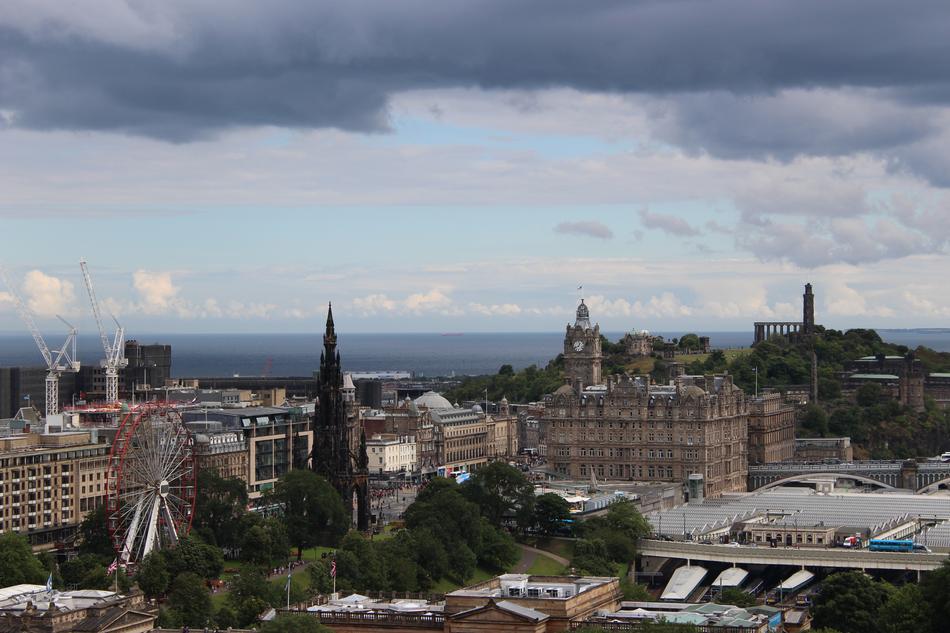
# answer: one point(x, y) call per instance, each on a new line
point(465, 165)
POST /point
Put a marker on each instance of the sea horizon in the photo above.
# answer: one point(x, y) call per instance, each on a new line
point(424, 354)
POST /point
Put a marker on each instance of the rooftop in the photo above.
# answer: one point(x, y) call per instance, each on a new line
point(864, 511)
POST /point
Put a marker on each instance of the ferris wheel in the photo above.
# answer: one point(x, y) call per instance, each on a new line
point(151, 482)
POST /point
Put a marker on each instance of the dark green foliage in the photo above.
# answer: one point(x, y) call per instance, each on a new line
point(195, 556)
point(94, 536)
point(736, 597)
point(850, 601)
point(80, 571)
point(189, 600)
point(868, 395)
point(527, 385)
point(814, 421)
point(497, 550)
point(935, 589)
point(251, 594)
point(905, 611)
point(219, 506)
point(689, 341)
point(620, 529)
point(634, 592)
point(313, 511)
point(294, 624)
point(501, 492)
point(18, 565)
point(152, 575)
point(550, 510)
point(591, 558)
point(263, 541)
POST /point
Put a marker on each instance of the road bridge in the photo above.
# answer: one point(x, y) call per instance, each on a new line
point(835, 558)
point(907, 474)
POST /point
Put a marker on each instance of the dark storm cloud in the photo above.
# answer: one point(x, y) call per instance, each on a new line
point(181, 70)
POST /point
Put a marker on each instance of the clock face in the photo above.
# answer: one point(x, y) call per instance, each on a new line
point(578, 346)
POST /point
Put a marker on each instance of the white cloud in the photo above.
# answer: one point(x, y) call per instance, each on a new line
point(663, 305)
point(374, 304)
point(156, 291)
point(47, 295)
point(843, 300)
point(495, 309)
point(433, 301)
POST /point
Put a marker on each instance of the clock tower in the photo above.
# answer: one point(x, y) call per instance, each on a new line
point(582, 355)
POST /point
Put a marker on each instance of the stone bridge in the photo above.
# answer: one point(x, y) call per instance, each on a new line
point(908, 474)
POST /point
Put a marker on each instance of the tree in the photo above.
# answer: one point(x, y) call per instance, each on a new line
point(591, 558)
point(737, 597)
point(506, 370)
point(634, 592)
point(94, 535)
point(76, 572)
point(815, 420)
point(497, 551)
point(189, 599)
point(219, 506)
point(264, 541)
point(313, 511)
point(501, 491)
point(935, 589)
point(251, 595)
point(294, 624)
point(868, 394)
point(194, 555)
point(689, 341)
point(152, 575)
point(18, 565)
point(906, 611)
point(849, 601)
point(550, 511)
point(620, 530)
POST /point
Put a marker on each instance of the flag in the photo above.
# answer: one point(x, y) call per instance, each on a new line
point(287, 586)
point(26, 397)
point(49, 582)
point(114, 566)
point(333, 569)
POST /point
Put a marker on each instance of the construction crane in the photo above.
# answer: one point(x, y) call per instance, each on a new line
point(58, 361)
point(114, 351)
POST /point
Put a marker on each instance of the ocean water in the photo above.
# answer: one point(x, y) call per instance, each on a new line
point(204, 355)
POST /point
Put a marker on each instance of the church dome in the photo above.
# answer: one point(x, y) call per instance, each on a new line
point(433, 400)
point(693, 390)
point(565, 390)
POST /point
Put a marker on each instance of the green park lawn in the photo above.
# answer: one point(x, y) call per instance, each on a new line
point(545, 566)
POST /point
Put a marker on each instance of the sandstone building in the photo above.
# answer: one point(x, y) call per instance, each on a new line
point(771, 429)
point(627, 428)
point(48, 483)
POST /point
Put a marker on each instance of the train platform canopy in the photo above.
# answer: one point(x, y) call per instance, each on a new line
point(683, 583)
point(870, 513)
point(730, 578)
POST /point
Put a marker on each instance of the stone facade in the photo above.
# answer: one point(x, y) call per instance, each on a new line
point(638, 343)
point(819, 449)
point(31, 609)
point(630, 429)
point(582, 351)
point(771, 429)
point(900, 377)
point(48, 483)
